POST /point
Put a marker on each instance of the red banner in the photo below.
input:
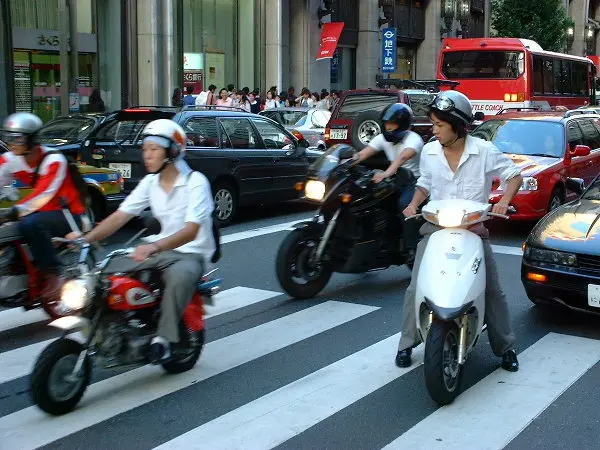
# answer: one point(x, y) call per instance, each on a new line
point(330, 35)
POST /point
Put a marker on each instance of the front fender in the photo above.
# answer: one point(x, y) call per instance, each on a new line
point(71, 324)
point(309, 225)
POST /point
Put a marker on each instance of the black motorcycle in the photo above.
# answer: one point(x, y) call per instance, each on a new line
point(356, 229)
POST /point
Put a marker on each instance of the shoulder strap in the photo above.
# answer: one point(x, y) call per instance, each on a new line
point(215, 228)
point(37, 169)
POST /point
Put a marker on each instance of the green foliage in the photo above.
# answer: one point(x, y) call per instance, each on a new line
point(544, 21)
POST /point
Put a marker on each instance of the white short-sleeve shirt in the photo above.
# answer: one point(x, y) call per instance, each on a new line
point(411, 140)
point(479, 164)
point(190, 200)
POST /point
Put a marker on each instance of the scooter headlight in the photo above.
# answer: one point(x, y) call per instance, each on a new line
point(75, 294)
point(449, 218)
point(315, 190)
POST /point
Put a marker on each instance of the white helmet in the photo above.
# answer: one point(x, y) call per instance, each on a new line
point(22, 124)
point(167, 134)
point(454, 103)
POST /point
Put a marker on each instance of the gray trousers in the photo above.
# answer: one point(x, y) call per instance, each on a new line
point(181, 272)
point(497, 318)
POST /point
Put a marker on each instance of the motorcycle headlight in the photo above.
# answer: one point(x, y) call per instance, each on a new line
point(529, 184)
point(449, 218)
point(75, 294)
point(315, 190)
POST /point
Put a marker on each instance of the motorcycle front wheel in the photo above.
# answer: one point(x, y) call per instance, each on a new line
point(297, 274)
point(51, 386)
point(443, 373)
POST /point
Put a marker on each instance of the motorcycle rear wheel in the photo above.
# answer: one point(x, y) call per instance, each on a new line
point(186, 354)
point(292, 262)
point(443, 374)
point(50, 390)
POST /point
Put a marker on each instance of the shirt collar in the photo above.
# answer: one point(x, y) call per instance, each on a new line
point(471, 147)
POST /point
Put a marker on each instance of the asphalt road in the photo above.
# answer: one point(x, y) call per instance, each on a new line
point(318, 374)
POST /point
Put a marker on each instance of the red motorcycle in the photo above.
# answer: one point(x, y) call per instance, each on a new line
point(20, 281)
point(118, 318)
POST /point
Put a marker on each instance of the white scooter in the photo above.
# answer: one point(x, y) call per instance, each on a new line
point(450, 293)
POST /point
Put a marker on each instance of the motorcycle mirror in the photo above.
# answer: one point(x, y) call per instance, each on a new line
point(346, 153)
point(151, 225)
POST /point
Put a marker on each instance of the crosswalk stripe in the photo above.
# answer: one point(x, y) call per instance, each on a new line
point(292, 409)
point(31, 428)
point(19, 362)
point(17, 317)
point(494, 411)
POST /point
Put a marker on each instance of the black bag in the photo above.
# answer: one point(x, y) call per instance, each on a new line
point(73, 171)
point(215, 231)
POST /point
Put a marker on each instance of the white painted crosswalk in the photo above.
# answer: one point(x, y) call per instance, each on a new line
point(282, 411)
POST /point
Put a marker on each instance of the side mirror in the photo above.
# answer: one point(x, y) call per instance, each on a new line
point(347, 153)
point(303, 143)
point(478, 116)
point(576, 185)
point(580, 150)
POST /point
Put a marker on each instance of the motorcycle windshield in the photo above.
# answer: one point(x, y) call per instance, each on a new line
point(325, 164)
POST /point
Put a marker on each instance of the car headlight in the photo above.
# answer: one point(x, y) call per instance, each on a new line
point(315, 190)
point(529, 184)
point(75, 294)
point(550, 256)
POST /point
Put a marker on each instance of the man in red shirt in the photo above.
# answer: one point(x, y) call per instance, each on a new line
point(39, 214)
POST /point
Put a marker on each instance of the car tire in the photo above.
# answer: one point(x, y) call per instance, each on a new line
point(225, 197)
point(556, 199)
point(366, 126)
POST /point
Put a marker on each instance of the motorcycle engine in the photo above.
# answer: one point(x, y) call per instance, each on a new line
point(124, 343)
point(7, 256)
point(12, 285)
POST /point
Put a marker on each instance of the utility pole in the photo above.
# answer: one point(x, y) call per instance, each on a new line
point(63, 39)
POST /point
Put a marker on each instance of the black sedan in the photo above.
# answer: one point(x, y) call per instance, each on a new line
point(561, 258)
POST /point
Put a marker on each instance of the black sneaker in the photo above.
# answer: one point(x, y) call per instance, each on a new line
point(403, 358)
point(160, 350)
point(509, 361)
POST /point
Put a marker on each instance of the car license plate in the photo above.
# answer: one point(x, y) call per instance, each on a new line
point(124, 169)
point(594, 295)
point(338, 134)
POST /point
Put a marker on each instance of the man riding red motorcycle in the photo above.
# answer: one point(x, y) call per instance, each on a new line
point(181, 200)
point(40, 214)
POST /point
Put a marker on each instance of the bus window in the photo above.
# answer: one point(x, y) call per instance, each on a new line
point(538, 78)
point(483, 65)
point(579, 79)
point(548, 75)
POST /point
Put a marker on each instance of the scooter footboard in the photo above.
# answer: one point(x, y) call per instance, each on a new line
point(452, 273)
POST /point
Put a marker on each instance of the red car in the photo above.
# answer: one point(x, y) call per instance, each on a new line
point(549, 147)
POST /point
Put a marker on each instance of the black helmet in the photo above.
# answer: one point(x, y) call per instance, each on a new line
point(400, 113)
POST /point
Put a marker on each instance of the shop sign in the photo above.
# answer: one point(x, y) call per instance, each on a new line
point(330, 35)
point(27, 38)
point(388, 50)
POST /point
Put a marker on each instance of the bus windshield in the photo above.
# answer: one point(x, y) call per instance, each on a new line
point(483, 65)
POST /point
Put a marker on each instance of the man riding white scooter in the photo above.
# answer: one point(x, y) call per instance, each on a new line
point(458, 166)
point(182, 202)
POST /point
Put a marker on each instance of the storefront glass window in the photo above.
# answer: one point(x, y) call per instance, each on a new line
point(36, 56)
point(210, 36)
point(343, 69)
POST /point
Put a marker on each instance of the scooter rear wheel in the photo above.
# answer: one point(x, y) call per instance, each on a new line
point(443, 373)
point(50, 387)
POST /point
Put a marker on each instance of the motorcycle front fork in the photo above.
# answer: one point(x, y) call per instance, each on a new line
point(77, 370)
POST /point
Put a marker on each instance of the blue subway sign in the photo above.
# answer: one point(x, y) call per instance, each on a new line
point(388, 54)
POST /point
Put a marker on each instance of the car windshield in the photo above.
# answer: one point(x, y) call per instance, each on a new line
point(524, 137)
point(66, 130)
point(285, 117)
point(593, 193)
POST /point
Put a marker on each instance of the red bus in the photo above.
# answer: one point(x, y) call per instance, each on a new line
point(498, 73)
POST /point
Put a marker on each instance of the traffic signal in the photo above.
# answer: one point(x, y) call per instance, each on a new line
point(325, 10)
